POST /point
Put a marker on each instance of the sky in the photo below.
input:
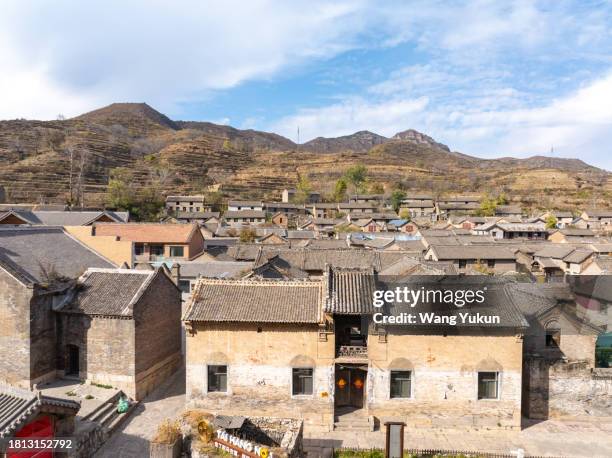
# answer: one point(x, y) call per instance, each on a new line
point(491, 79)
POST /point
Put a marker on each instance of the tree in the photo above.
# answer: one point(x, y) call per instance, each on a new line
point(405, 214)
point(247, 235)
point(340, 190)
point(487, 207)
point(377, 188)
point(397, 197)
point(303, 190)
point(145, 205)
point(356, 175)
point(551, 222)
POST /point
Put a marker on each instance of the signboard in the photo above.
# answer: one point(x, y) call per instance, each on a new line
point(240, 447)
point(395, 440)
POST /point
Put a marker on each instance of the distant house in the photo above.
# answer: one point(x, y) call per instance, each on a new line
point(498, 230)
point(496, 258)
point(292, 210)
point(280, 219)
point(356, 208)
point(374, 199)
point(61, 218)
point(237, 218)
point(457, 205)
point(568, 235)
point(564, 218)
point(242, 205)
point(597, 218)
point(323, 210)
point(418, 207)
point(195, 217)
point(155, 241)
point(508, 210)
point(187, 204)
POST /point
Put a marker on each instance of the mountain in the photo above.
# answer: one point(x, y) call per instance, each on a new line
point(71, 161)
point(360, 142)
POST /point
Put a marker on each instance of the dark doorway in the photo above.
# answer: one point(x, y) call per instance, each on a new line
point(350, 386)
point(73, 360)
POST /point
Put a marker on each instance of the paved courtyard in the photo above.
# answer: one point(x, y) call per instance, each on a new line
point(549, 438)
point(131, 440)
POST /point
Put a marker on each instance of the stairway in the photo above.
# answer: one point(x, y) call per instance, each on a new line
point(353, 421)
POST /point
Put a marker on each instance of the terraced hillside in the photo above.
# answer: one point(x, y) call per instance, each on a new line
point(71, 160)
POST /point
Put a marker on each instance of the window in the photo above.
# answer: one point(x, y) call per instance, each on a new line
point(217, 379)
point(177, 251)
point(184, 285)
point(138, 249)
point(400, 384)
point(302, 381)
point(156, 250)
point(490, 263)
point(488, 385)
point(462, 263)
point(553, 338)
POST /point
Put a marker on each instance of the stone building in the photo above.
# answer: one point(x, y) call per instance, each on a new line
point(120, 327)
point(66, 311)
point(313, 350)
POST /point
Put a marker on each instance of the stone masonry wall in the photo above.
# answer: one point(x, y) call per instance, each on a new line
point(157, 316)
point(14, 331)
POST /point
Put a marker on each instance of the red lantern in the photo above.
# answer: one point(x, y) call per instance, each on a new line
point(341, 383)
point(358, 383)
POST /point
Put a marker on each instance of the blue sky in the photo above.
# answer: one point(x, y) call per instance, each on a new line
point(487, 78)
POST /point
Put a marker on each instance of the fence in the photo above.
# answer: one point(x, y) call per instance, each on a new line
point(418, 453)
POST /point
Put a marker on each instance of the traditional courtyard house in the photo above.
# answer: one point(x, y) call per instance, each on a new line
point(273, 239)
point(37, 265)
point(299, 235)
point(315, 352)
point(545, 262)
point(187, 204)
point(288, 208)
point(156, 242)
point(570, 234)
point(26, 414)
point(363, 224)
point(238, 218)
point(498, 230)
point(363, 208)
point(600, 265)
point(120, 327)
point(509, 211)
point(418, 207)
point(494, 258)
point(374, 199)
point(599, 219)
point(241, 205)
point(61, 218)
point(288, 195)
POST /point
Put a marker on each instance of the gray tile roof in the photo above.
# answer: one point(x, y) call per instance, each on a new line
point(18, 406)
point(36, 253)
point(109, 292)
point(301, 235)
point(69, 218)
point(244, 214)
point(215, 269)
point(446, 252)
point(255, 301)
point(349, 291)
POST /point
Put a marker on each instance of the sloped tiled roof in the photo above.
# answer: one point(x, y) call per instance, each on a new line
point(244, 214)
point(255, 301)
point(446, 252)
point(109, 292)
point(349, 291)
point(214, 269)
point(149, 232)
point(18, 406)
point(35, 253)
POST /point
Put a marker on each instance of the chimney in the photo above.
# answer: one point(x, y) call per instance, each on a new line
point(175, 273)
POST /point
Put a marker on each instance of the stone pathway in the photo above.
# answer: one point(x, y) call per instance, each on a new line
point(131, 440)
point(553, 438)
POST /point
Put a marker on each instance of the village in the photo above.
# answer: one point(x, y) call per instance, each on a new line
point(264, 313)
